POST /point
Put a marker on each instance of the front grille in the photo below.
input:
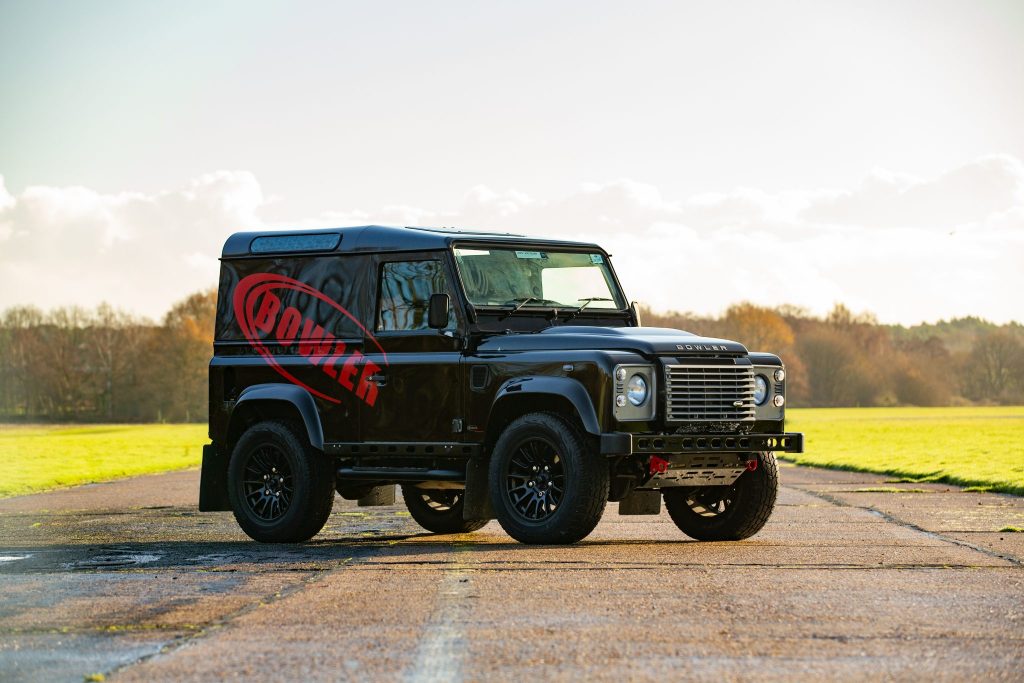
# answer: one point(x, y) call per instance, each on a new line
point(709, 393)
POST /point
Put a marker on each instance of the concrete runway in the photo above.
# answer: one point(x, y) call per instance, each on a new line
point(128, 580)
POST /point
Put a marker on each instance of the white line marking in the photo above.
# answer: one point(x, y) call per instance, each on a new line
point(442, 649)
point(13, 558)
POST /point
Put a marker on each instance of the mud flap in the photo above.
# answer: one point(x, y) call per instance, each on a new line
point(478, 498)
point(213, 481)
point(641, 503)
point(378, 496)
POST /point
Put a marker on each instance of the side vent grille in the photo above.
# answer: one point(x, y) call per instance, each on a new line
point(479, 376)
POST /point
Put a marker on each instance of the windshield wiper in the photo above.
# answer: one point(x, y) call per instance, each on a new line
point(586, 302)
point(522, 301)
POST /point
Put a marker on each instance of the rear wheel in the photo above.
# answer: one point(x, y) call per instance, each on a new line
point(546, 485)
point(281, 489)
point(726, 513)
point(439, 510)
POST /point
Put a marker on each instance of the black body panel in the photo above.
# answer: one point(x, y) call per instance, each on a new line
point(302, 336)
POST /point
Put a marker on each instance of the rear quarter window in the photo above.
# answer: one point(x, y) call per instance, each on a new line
point(341, 278)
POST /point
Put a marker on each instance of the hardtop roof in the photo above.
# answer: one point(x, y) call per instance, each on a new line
point(383, 238)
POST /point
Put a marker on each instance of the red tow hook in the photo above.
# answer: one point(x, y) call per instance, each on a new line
point(658, 465)
point(751, 465)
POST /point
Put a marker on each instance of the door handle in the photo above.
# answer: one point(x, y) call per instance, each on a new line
point(379, 380)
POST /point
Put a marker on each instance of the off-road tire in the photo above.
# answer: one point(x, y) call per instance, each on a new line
point(585, 477)
point(751, 501)
point(447, 520)
point(310, 475)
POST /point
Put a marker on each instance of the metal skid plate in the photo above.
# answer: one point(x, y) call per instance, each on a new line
point(701, 469)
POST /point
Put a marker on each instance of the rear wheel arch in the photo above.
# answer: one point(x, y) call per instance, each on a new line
point(283, 402)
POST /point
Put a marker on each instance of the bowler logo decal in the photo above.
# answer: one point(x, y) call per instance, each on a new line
point(261, 316)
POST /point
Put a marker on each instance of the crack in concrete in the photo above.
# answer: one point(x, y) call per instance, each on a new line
point(910, 525)
point(207, 628)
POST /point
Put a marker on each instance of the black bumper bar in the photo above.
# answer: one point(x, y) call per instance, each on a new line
point(621, 443)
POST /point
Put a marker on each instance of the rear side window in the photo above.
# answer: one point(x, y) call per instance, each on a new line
point(405, 289)
point(338, 278)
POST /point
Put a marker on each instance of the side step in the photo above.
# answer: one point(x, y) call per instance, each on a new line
point(399, 474)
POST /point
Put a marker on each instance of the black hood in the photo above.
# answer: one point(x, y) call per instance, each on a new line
point(649, 341)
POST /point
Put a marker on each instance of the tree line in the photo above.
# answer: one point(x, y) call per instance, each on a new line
point(103, 364)
point(106, 365)
point(847, 359)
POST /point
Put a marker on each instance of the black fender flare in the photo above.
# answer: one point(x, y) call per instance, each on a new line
point(298, 397)
point(563, 387)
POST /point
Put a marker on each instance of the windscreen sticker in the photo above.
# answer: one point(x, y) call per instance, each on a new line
point(596, 259)
point(262, 318)
point(471, 252)
point(530, 254)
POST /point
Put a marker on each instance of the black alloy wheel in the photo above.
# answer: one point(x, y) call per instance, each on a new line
point(535, 481)
point(547, 483)
point(727, 513)
point(711, 501)
point(268, 482)
point(439, 510)
point(281, 488)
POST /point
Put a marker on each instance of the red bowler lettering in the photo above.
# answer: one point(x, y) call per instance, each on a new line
point(262, 315)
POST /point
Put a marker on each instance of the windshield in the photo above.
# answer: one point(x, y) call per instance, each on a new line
point(529, 278)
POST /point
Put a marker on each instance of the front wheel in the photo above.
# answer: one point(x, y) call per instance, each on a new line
point(727, 513)
point(439, 510)
point(546, 485)
point(281, 489)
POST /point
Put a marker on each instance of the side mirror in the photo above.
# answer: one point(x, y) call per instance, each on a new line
point(437, 313)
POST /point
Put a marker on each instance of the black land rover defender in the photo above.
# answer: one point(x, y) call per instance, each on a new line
point(490, 375)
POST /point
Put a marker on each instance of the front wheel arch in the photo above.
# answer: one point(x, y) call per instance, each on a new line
point(511, 406)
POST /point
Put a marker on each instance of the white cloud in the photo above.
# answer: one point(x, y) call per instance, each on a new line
point(72, 245)
point(906, 248)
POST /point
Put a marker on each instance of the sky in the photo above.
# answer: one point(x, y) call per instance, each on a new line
point(804, 153)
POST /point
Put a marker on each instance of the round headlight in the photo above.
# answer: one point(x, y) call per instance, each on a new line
point(636, 390)
point(760, 389)
point(780, 375)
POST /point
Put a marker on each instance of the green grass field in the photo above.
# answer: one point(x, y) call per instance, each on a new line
point(980, 447)
point(40, 457)
point(977, 447)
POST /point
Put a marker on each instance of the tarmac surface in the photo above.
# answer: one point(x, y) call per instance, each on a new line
point(853, 578)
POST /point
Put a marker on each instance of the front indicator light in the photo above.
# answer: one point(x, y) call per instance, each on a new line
point(620, 400)
point(780, 375)
point(779, 401)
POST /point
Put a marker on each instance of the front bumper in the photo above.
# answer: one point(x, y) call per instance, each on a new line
point(622, 443)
